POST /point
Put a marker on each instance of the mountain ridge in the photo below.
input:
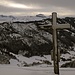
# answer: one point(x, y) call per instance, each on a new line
point(26, 37)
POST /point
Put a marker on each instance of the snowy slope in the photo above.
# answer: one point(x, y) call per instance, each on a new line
point(44, 61)
point(38, 61)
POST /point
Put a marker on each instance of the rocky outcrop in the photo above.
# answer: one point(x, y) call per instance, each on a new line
point(4, 59)
point(69, 64)
point(26, 37)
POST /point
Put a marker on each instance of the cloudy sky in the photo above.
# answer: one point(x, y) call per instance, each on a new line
point(33, 7)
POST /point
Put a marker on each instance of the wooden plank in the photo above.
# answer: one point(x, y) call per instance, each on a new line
point(61, 26)
point(45, 25)
point(55, 50)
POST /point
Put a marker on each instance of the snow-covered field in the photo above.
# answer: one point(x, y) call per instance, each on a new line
point(9, 70)
point(44, 61)
point(16, 66)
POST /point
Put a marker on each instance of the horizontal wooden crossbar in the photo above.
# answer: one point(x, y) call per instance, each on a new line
point(58, 26)
point(61, 26)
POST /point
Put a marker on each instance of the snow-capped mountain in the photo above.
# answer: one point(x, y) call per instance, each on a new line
point(38, 17)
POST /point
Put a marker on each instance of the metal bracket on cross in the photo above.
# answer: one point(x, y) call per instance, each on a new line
point(55, 27)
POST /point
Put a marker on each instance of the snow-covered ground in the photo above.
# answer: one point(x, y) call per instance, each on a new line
point(16, 66)
point(9, 70)
point(23, 65)
point(39, 61)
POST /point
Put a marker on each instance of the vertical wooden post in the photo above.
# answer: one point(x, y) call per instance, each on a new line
point(55, 53)
point(55, 50)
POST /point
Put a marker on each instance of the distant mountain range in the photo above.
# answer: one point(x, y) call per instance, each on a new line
point(38, 17)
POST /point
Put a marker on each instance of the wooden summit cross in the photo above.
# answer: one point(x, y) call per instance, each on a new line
point(54, 27)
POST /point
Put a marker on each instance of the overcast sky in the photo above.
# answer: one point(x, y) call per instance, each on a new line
point(33, 7)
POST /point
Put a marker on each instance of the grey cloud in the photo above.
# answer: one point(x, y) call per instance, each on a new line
point(9, 9)
point(46, 5)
